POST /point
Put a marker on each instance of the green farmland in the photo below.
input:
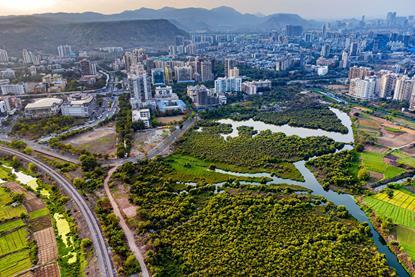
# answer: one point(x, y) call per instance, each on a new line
point(401, 210)
point(374, 162)
point(406, 237)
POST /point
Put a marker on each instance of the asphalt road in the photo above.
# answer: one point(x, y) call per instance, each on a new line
point(104, 260)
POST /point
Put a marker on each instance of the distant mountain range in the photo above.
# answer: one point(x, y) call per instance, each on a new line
point(45, 34)
point(142, 27)
point(193, 19)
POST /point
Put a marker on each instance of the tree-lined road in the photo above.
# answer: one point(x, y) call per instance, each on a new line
point(102, 253)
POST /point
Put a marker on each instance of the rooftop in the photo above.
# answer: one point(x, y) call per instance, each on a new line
point(44, 103)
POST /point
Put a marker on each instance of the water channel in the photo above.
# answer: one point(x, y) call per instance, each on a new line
point(310, 180)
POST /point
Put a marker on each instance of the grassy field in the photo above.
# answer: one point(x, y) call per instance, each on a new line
point(4, 173)
point(282, 170)
point(190, 169)
point(374, 162)
point(393, 130)
point(404, 158)
point(15, 263)
point(406, 237)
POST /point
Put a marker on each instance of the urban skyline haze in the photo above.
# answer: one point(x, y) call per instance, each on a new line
point(320, 9)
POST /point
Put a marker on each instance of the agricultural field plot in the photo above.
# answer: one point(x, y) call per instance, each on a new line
point(400, 199)
point(15, 263)
point(11, 225)
point(400, 216)
point(14, 241)
point(50, 270)
point(47, 247)
point(404, 158)
point(375, 162)
point(31, 202)
point(39, 213)
point(6, 210)
point(406, 238)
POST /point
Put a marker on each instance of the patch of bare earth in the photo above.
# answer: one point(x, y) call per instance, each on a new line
point(375, 148)
point(31, 201)
point(40, 223)
point(170, 119)
point(123, 202)
point(146, 140)
point(50, 270)
point(47, 247)
point(100, 141)
point(375, 176)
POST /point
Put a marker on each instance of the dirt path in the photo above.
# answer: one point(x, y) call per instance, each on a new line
point(127, 231)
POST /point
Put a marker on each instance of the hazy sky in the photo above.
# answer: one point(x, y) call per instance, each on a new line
point(306, 8)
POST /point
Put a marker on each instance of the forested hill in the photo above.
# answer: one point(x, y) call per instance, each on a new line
point(44, 34)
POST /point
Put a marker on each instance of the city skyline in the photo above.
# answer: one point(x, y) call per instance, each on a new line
point(352, 8)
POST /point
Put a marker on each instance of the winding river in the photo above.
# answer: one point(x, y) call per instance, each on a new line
point(310, 180)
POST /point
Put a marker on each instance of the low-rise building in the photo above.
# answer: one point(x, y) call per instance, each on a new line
point(12, 89)
point(166, 106)
point(7, 74)
point(165, 93)
point(43, 107)
point(35, 87)
point(255, 87)
point(143, 115)
point(54, 82)
point(79, 105)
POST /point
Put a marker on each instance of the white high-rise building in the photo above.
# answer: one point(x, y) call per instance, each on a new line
point(27, 56)
point(223, 85)
point(363, 89)
point(4, 58)
point(386, 84)
point(140, 89)
point(65, 51)
point(412, 101)
point(404, 88)
point(345, 60)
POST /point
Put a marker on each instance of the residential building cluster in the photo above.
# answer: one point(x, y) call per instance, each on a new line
point(367, 84)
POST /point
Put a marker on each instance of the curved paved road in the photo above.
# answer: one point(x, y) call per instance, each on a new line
point(104, 260)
